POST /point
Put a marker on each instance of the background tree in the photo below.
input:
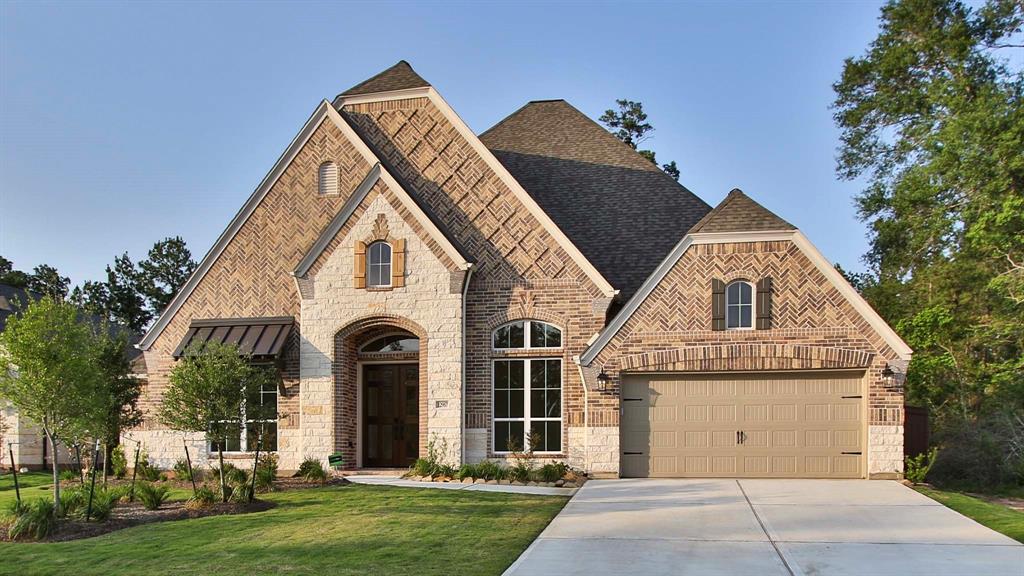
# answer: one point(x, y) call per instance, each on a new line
point(121, 390)
point(207, 392)
point(49, 371)
point(629, 124)
point(932, 119)
point(168, 267)
point(45, 279)
point(10, 276)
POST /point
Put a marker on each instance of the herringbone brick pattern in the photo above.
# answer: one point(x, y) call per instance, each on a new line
point(672, 328)
point(252, 277)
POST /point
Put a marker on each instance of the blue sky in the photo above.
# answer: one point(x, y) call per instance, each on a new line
point(121, 124)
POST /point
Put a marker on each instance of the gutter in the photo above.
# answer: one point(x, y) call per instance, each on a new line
point(462, 400)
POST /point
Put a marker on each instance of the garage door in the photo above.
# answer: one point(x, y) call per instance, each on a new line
point(802, 425)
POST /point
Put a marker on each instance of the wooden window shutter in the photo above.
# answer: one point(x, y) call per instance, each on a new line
point(764, 303)
point(398, 263)
point(359, 269)
point(717, 304)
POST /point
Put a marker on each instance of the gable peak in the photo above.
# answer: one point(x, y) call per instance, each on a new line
point(401, 76)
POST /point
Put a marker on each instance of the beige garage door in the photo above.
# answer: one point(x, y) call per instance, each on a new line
point(800, 425)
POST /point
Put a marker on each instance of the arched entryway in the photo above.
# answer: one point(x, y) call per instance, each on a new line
point(380, 392)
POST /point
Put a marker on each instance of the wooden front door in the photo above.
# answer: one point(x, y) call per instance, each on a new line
point(391, 415)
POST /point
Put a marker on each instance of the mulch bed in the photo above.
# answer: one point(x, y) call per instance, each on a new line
point(134, 514)
point(126, 515)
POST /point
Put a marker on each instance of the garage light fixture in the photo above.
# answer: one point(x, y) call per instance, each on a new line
point(603, 380)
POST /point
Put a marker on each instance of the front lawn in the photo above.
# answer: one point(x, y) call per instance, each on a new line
point(354, 529)
point(996, 516)
point(35, 485)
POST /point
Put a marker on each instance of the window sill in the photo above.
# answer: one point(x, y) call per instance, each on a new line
point(535, 455)
point(239, 455)
point(379, 288)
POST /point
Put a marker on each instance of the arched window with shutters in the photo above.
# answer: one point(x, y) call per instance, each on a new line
point(378, 264)
point(327, 179)
point(738, 305)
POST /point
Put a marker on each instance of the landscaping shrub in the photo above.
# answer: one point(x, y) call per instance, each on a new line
point(446, 470)
point(552, 472)
point(917, 467)
point(313, 471)
point(119, 493)
point(182, 471)
point(147, 471)
point(306, 465)
point(232, 474)
point(521, 470)
point(152, 496)
point(266, 473)
point(73, 500)
point(103, 502)
point(35, 520)
point(467, 471)
point(204, 497)
point(979, 455)
point(488, 470)
point(69, 476)
point(241, 493)
point(118, 462)
point(423, 467)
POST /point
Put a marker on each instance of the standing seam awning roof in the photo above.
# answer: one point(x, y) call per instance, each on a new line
point(253, 336)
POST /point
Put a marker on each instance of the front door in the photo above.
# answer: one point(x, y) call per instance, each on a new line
point(391, 409)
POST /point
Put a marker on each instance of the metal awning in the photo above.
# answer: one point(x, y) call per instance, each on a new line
point(263, 337)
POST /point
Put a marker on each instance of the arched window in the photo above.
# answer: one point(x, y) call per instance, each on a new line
point(328, 178)
point(739, 305)
point(527, 391)
point(527, 334)
point(378, 264)
point(393, 343)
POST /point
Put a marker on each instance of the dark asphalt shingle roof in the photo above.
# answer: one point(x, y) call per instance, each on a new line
point(739, 213)
point(618, 208)
point(399, 77)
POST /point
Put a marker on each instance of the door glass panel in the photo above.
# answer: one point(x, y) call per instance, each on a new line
point(387, 440)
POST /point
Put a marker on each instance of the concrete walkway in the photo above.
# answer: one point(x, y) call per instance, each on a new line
point(763, 527)
point(398, 481)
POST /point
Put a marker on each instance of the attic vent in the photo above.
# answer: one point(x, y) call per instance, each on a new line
point(328, 178)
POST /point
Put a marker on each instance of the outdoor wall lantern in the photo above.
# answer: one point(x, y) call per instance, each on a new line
point(603, 380)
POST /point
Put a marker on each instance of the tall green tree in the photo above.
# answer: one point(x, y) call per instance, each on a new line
point(214, 390)
point(10, 276)
point(163, 272)
point(629, 124)
point(932, 120)
point(45, 279)
point(49, 370)
point(120, 389)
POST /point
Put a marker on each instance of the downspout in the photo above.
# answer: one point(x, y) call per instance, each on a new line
point(462, 400)
point(586, 416)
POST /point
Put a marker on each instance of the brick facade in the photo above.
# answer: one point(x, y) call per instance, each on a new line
point(520, 271)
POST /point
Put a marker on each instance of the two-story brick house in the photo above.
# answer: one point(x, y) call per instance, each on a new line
point(538, 284)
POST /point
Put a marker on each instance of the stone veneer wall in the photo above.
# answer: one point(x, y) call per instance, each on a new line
point(813, 326)
point(428, 302)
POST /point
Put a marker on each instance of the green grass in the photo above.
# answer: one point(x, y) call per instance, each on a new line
point(338, 530)
point(996, 516)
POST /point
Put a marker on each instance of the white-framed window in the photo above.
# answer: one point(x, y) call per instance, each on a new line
point(248, 430)
point(527, 334)
point(739, 305)
point(327, 178)
point(378, 264)
point(527, 405)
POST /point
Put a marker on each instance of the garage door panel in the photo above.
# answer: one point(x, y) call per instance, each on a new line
point(776, 425)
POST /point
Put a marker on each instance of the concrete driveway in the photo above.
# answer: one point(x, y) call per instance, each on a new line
point(763, 527)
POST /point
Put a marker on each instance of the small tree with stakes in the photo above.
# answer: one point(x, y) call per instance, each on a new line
point(214, 390)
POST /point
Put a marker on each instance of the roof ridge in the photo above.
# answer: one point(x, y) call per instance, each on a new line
point(397, 77)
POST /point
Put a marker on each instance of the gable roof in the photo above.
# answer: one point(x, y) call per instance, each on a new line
point(12, 299)
point(591, 183)
point(739, 213)
point(379, 172)
point(401, 76)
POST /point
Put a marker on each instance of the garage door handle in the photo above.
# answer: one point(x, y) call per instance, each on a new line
point(632, 453)
point(851, 453)
point(845, 397)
